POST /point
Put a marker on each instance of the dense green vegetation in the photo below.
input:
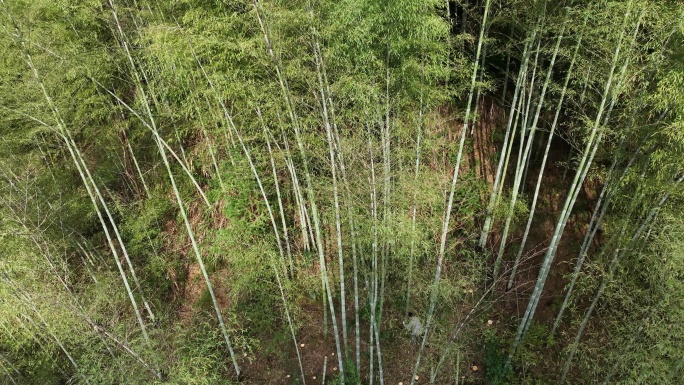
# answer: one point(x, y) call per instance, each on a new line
point(214, 192)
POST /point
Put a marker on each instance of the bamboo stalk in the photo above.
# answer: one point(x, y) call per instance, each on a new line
point(264, 196)
point(210, 148)
point(198, 257)
point(447, 212)
point(302, 211)
point(179, 200)
point(352, 226)
point(348, 195)
point(419, 135)
point(20, 294)
point(591, 146)
point(310, 191)
point(13, 368)
point(153, 130)
point(373, 292)
point(137, 166)
point(543, 165)
point(602, 209)
point(617, 256)
point(50, 260)
point(113, 223)
point(589, 236)
point(508, 140)
point(385, 138)
point(87, 180)
point(278, 195)
point(336, 199)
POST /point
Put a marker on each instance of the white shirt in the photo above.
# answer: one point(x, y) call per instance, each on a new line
point(414, 326)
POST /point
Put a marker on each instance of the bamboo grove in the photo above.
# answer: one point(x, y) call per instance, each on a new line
point(244, 191)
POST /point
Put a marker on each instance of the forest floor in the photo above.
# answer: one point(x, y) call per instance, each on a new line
point(275, 362)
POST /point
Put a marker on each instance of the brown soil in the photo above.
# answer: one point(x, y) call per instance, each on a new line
point(316, 347)
point(483, 143)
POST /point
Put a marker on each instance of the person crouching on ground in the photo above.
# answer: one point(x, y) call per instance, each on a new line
point(415, 327)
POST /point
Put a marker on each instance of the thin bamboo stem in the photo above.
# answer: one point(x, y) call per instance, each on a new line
point(310, 191)
point(591, 147)
point(447, 213)
point(617, 256)
point(508, 140)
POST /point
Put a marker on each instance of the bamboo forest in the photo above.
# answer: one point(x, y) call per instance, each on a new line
point(373, 192)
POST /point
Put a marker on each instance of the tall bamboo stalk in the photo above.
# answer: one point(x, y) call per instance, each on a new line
point(137, 166)
point(385, 139)
point(264, 196)
point(46, 253)
point(278, 194)
point(419, 135)
point(11, 369)
point(507, 143)
point(352, 225)
point(115, 228)
point(590, 149)
point(373, 291)
point(152, 130)
point(447, 211)
point(617, 256)
point(198, 256)
point(210, 148)
point(162, 151)
point(325, 99)
point(608, 193)
point(88, 182)
point(302, 211)
point(310, 191)
point(546, 151)
point(594, 224)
